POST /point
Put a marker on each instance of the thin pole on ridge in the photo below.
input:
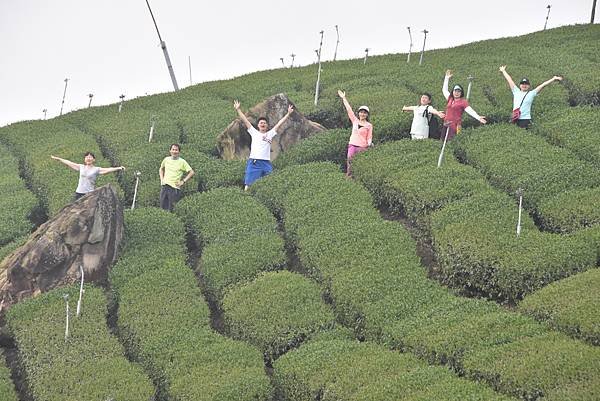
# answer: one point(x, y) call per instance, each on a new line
point(45, 110)
point(282, 62)
point(190, 65)
point(425, 31)
point(66, 298)
point(593, 11)
point(470, 78)
point(91, 95)
point(410, 46)
point(163, 45)
point(319, 70)
point(122, 97)
point(520, 195)
point(63, 98)
point(293, 56)
point(366, 55)
point(337, 32)
point(547, 15)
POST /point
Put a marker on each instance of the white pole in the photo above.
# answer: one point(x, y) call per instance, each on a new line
point(520, 193)
point(293, 56)
point(337, 32)
point(366, 55)
point(137, 182)
point(63, 98)
point(470, 78)
point(547, 15)
point(425, 31)
point(190, 65)
point(45, 110)
point(66, 298)
point(410, 46)
point(319, 71)
point(91, 95)
point(122, 97)
point(151, 133)
point(443, 146)
point(80, 292)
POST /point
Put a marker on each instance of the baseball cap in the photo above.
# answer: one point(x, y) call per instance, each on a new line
point(524, 81)
point(365, 108)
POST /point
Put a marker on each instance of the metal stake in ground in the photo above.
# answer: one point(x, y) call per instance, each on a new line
point(190, 66)
point(122, 97)
point(293, 56)
point(410, 46)
point(45, 110)
point(163, 45)
point(64, 94)
point(447, 124)
point(366, 55)
point(80, 292)
point(91, 95)
point(151, 133)
point(425, 31)
point(66, 298)
point(520, 195)
point(470, 78)
point(137, 183)
point(547, 15)
point(282, 63)
point(319, 70)
point(337, 32)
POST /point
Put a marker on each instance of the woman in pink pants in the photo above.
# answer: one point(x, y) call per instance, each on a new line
point(362, 131)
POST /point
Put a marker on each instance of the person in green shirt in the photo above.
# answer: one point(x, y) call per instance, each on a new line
point(174, 172)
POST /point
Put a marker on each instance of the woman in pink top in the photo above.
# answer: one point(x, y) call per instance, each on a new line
point(362, 131)
point(455, 106)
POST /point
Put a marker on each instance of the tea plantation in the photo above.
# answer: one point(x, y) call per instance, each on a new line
point(407, 282)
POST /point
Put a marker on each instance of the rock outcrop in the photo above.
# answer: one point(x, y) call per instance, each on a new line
point(85, 233)
point(234, 142)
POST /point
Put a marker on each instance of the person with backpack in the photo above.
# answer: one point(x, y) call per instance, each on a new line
point(455, 106)
point(362, 131)
point(424, 124)
point(523, 97)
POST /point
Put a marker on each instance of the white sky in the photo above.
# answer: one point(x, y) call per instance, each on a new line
point(110, 47)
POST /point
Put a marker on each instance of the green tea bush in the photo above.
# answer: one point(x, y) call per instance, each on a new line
point(336, 370)
point(89, 365)
point(330, 145)
point(17, 204)
point(7, 388)
point(276, 311)
point(569, 305)
point(512, 158)
point(165, 322)
point(570, 211)
point(531, 367)
point(572, 129)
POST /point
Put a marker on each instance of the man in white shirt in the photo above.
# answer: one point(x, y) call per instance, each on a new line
point(420, 124)
point(259, 162)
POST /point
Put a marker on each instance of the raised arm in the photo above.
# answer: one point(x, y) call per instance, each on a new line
point(509, 80)
point(474, 114)
point(66, 162)
point(236, 106)
point(548, 82)
point(280, 122)
point(106, 170)
point(349, 110)
point(445, 90)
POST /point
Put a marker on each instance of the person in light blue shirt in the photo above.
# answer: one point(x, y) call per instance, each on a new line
point(523, 97)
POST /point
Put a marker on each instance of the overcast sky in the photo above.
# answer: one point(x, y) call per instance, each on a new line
point(110, 47)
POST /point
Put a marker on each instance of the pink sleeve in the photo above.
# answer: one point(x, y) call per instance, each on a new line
point(351, 116)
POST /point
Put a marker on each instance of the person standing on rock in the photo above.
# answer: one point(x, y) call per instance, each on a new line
point(174, 172)
point(523, 97)
point(362, 131)
point(259, 162)
point(455, 106)
point(88, 172)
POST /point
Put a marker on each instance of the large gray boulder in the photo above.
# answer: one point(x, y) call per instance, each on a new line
point(85, 233)
point(234, 142)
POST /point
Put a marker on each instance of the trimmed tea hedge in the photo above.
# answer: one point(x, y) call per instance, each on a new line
point(238, 237)
point(165, 322)
point(570, 305)
point(571, 211)
point(342, 370)
point(7, 388)
point(90, 365)
point(276, 311)
point(330, 145)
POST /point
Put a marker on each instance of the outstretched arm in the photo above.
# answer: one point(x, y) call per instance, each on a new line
point(408, 108)
point(548, 82)
point(476, 116)
point(445, 90)
point(236, 106)
point(440, 114)
point(280, 122)
point(509, 80)
point(66, 162)
point(106, 170)
point(351, 115)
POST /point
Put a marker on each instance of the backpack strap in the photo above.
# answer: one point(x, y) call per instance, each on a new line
point(522, 100)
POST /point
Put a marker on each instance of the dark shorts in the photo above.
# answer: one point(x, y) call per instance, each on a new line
point(169, 197)
point(524, 124)
point(255, 169)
